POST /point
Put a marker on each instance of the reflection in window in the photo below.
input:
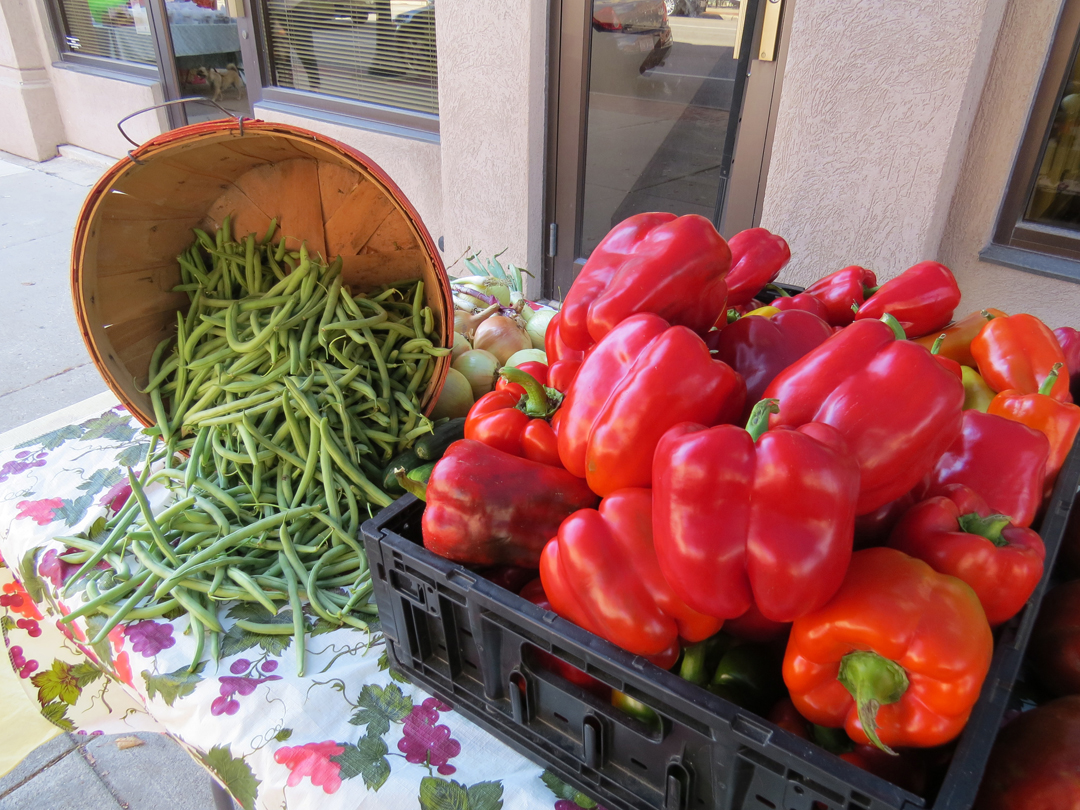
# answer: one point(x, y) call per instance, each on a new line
point(114, 29)
point(376, 51)
point(1055, 200)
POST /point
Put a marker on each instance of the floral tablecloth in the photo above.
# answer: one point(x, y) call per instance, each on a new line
point(350, 734)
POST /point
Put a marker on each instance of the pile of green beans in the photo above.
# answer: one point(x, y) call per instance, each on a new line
point(288, 394)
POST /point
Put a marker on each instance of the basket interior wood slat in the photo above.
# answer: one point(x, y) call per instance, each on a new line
point(335, 183)
point(127, 245)
point(369, 270)
point(394, 235)
point(136, 295)
point(360, 215)
point(289, 191)
point(247, 216)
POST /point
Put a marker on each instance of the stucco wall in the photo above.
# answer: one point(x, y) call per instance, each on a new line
point(91, 105)
point(31, 123)
point(1017, 66)
point(492, 85)
point(875, 110)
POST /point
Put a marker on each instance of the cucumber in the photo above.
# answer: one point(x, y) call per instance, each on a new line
point(407, 461)
point(432, 446)
point(422, 473)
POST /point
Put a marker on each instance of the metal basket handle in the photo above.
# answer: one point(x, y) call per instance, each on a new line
point(195, 99)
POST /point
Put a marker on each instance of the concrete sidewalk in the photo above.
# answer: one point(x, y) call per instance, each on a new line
point(44, 367)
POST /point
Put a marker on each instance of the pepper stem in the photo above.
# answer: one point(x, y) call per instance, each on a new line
point(417, 488)
point(758, 422)
point(1051, 378)
point(937, 344)
point(540, 402)
point(890, 320)
point(987, 314)
point(778, 290)
point(732, 315)
point(989, 527)
point(874, 681)
point(868, 291)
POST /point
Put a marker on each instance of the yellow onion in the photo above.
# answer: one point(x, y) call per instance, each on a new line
point(527, 356)
point(481, 370)
point(466, 322)
point(502, 336)
point(538, 325)
point(461, 345)
point(456, 396)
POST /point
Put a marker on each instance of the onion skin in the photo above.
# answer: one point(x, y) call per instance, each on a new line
point(502, 337)
point(480, 369)
point(527, 356)
point(456, 397)
point(461, 345)
point(466, 323)
point(538, 325)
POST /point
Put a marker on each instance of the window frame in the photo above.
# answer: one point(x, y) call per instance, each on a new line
point(1023, 245)
point(91, 63)
point(335, 109)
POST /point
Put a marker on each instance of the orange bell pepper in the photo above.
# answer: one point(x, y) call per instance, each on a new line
point(959, 334)
point(1058, 421)
point(1017, 352)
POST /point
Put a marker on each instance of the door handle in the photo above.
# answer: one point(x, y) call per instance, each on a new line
point(770, 30)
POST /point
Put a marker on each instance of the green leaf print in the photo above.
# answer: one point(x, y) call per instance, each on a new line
point(29, 576)
point(237, 640)
point(565, 791)
point(367, 759)
point(110, 425)
point(379, 707)
point(57, 682)
point(172, 685)
point(236, 775)
point(486, 796)
point(443, 794)
point(56, 713)
point(132, 454)
point(85, 674)
point(384, 664)
point(54, 438)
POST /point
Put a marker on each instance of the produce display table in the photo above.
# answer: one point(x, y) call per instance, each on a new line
point(348, 734)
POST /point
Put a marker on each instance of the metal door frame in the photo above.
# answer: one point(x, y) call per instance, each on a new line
point(746, 147)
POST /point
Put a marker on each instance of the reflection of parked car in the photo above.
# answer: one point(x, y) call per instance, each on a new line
point(685, 8)
point(629, 37)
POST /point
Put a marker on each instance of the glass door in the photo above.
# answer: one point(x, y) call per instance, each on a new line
point(646, 115)
point(207, 52)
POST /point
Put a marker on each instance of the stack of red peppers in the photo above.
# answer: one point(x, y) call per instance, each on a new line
point(654, 515)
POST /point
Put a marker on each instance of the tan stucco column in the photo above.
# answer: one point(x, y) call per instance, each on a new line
point(492, 86)
point(31, 125)
point(877, 104)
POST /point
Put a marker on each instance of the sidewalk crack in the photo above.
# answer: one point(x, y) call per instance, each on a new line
point(43, 379)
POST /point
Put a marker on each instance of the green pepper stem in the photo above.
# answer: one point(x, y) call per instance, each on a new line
point(758, 422)
point(890, 320)
point(540, 402)
point(732, 315)
point(874, 681)
point(988, 315)
point(417, 488)
point(692, 667)
point(868, 291)
point(778, 290)
point(989, 527)
point(1051, 378)
point(937, 344)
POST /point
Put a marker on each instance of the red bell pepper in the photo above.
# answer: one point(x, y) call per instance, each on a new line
point(760, 348)
point(517, 424)
point(896, 406)
point(922, 298)
point(487, 507)
point(1002, 460)
point(874, 528)
point(1034, 763)
point(840, 290)
point(1058, 421)
point(660, 263)
point(757, 257)
point(604, 369)
point(1017, 352)
point(897, 656)
point(956, 534)
point(801, 301)
point(1054, 650)
point(752, 626)
point(600, 573)
point(561, 374)
point(673, 380)
point(959, 334)
point(746, 517)
point(1069, 340)
point(554, 346)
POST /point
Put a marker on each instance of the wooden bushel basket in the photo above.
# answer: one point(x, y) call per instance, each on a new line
point(140, 216)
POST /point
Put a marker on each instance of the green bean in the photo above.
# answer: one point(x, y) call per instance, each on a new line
point(196, 610)
point(200, 640)
point(104, 598)
point(129, 604)
point(299, 626)
point(249, 585)
point(149, 612)
point(264, 629)
point(375, 494)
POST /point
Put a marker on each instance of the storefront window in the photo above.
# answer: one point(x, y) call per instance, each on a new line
point(113, 29)
point(1055, 200)
point(379, 52)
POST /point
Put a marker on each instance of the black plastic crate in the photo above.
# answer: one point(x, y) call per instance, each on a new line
point(471, 642)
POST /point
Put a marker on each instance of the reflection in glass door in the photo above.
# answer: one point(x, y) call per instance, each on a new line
point(650, 99)
point(206, 49)
point(661, 77)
